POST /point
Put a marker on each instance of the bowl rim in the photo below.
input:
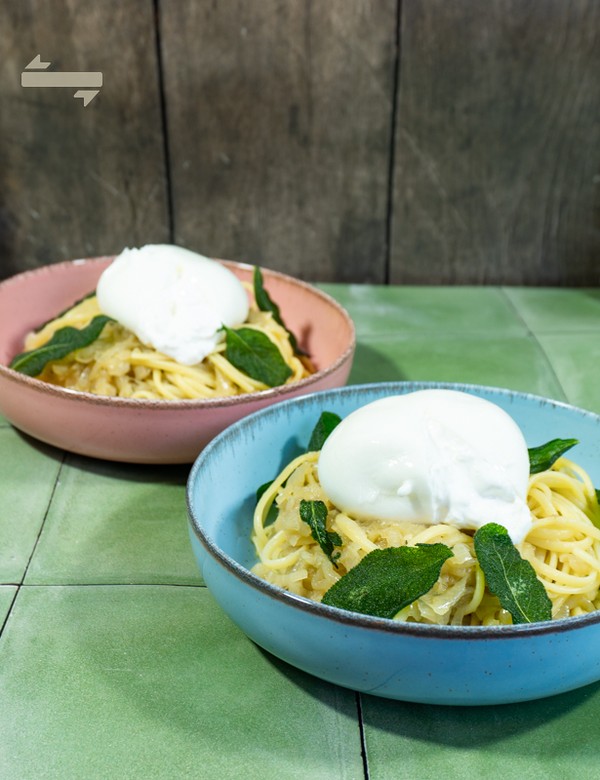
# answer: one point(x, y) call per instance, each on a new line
point(355, 619)
point(270, 394)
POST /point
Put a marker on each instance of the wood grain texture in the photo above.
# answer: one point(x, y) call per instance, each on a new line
point(497, 143)
point(286, 123)
point(78, 181)
point(279, 131)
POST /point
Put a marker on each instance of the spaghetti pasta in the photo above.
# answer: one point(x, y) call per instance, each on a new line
point(563, 546)
point(118, 364)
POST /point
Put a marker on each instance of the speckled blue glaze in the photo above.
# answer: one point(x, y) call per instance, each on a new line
point(438, 665)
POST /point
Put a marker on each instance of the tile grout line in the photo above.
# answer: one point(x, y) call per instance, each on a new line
point(534, 337)
point(361, 729)
point(19, 584)
point(10, 609)
point(506, 295)
point(45, 517)
point(197, 585)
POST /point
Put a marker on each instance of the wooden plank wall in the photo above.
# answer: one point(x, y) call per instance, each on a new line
point(383, 141)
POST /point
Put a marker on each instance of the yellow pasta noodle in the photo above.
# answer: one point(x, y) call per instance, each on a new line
point(118, 364)
point(563, 547)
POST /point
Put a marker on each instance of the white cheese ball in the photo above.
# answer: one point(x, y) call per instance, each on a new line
point(173, 299)
point(431, 456)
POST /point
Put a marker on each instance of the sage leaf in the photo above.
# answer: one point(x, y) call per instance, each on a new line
point(63, 342)
point(325, 424)
point(541, 458)
point(511, 578)
point(387, 580)
point(255, 354)
point(266, 303)
point(315, 514)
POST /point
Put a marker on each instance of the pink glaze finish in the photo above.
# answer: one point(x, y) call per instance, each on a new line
point(140, 431)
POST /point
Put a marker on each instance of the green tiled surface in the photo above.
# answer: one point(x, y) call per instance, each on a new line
point(576, 361)
point(116, 663)
point(28, 474)
point(557, 311)
point(553, 738)
point(154, 681)
point(434, 310)
point(115, 525)
point(515, 363)
point(7, 594)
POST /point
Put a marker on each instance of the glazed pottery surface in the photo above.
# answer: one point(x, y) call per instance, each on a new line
point(143, 431)
point(419, 663)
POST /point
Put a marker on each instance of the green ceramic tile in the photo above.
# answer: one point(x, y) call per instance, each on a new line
point(552, 310)
point(7, 594)
point(550, 738)
point(155, 682)
point(116, 523)
point(28, 476)
point(399, 310)
point(514, 363)
point(576, 361)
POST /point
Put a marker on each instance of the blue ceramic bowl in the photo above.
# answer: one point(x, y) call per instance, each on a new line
point(419, 663)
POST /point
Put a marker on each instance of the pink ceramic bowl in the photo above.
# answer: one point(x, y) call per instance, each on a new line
point(140, 431)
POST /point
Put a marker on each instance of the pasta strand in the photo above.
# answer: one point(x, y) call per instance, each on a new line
point(118, 364)
point(563, 546)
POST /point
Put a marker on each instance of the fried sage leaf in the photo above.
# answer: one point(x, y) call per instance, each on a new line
point(511, 578)
point(254, 353)
point(325, 424)
point(63, 342)
point(266, 303)
point(315, 514)
point(387, 580)
point(541, 458)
